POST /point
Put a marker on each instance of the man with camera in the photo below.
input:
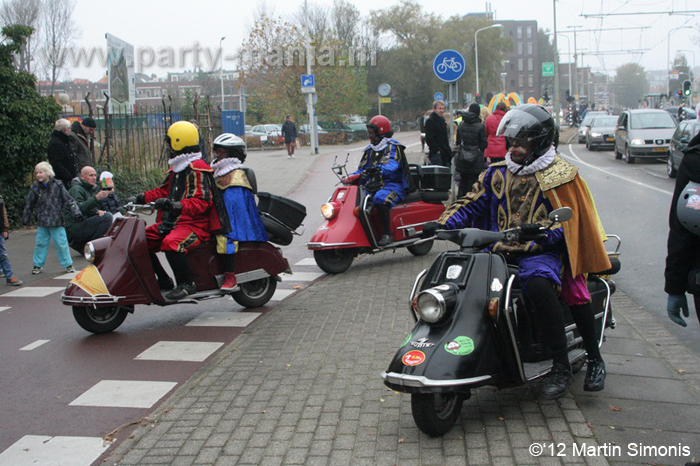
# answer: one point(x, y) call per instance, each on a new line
point(95, 222)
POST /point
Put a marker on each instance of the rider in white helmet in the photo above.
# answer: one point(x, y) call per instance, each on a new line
point(234, 199)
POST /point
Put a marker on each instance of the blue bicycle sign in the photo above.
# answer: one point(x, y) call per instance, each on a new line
point(448, 65)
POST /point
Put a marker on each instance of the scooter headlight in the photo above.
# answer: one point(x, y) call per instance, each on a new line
point(433, 304)
point(89, 253)
point(95, 249)
point(330, 210)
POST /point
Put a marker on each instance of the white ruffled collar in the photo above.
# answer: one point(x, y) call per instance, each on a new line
point(181, 162)
point(540, 163)
point(225, 166)
point(382, 144)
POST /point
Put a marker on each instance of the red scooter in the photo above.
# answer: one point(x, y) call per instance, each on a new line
point(120, 274)
point(353, 227)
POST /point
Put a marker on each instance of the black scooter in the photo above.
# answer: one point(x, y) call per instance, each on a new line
point(474, 328)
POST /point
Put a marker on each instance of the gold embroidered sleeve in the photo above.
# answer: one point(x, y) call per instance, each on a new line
point(556, 174)
point(233, 178)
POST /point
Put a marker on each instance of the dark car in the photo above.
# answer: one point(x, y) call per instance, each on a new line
point(352, 131)
point(601, 132)
point(688, 113)
point(684, 133)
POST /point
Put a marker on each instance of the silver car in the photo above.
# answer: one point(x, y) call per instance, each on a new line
point(644, 133)
point(601, 132)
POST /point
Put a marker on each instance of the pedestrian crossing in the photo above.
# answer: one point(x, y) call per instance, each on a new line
point(137, 394)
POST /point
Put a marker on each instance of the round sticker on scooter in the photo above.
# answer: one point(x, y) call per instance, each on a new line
point(413, 358)
point(460, 346)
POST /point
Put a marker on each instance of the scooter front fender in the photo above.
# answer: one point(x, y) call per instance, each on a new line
point(122, 276)
point(465, 349)
point(345, 229)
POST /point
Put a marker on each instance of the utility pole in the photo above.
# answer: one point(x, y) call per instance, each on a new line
point(556, 103)
point(313, 134)
point(576, 85)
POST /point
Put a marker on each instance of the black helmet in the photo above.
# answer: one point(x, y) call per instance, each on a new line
point(531, 124)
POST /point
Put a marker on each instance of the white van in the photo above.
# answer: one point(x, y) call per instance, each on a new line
point(644, 133)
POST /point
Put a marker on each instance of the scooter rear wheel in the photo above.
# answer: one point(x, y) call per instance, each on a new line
point(436, 413)
point(334, 261)
point(256, 293)
point(100, 319)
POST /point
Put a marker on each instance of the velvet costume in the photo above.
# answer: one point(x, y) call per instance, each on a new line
point(389, 156)
point(235, 204)
point(191, 187)
point(501, 200)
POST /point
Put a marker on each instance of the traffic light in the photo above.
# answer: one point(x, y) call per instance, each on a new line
point(679, 93)
point(477, 98)
point(687, 88)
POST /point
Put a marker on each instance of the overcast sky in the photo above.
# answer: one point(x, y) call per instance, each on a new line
point(154, 25)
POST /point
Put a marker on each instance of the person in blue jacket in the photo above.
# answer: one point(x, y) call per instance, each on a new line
point(234, 200)
point(383, 156)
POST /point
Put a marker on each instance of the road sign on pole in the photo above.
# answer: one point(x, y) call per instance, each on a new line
point(308, 84)
point(547, 69)
point(439, 96)
point(448, 65)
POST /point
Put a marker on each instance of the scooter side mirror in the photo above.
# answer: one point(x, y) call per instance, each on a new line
point(561, 215)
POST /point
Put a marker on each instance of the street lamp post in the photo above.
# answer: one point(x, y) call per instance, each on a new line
point(221, 70)
point(476, 52)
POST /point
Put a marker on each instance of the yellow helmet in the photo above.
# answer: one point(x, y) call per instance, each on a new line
point(183, 134)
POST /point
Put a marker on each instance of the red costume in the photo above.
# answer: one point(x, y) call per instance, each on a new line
point(191, 187)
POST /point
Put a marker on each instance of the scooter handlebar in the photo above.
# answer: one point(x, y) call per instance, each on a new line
point(133, 208)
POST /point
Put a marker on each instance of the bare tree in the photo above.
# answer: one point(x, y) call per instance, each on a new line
point(25, 13)
point(58, 30)
point(314, 18)
point(346, 19)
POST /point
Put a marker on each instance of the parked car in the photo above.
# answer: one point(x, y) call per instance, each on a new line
point(688, 113)
point(585, 124)
point(269, 134)
point(686, 131)
point(353, 131)
point(304, 129)
point(643, 133)
point(601, 132)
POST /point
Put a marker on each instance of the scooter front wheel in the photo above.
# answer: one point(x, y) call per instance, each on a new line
point(100, 319)
point(436, 413)
point(334, 261)
point(256, 293)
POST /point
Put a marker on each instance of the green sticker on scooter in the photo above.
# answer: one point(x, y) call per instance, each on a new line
point(460, 346)
point(408, 338)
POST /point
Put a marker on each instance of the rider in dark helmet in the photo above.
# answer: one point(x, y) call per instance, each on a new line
point(386, 157)
point(521, 191)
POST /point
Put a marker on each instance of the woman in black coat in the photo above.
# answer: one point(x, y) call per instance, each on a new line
point(471, 137)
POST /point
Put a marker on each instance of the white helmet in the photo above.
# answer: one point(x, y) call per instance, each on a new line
point(229, 140)
point(688, 207)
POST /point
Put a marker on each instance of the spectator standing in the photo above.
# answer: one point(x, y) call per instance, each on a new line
point(422, 118)
point(95, 221)
point(471, 138)
point(439, 151)
point(4, 260)
point(48, 197)
point(60, 153)
point(496, 150)
point(81, 131)
point(289, 131)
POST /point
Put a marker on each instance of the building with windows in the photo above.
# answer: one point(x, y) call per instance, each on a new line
point(523, 69)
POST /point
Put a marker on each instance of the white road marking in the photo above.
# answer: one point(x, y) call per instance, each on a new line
point(630, 180)
point(307, 261)
point(180, 351)
point(224, 319)
point(33, 292)
point(281, 294)
point(39, 449)
point(4, 308)
point(124, 394)
point(67, 276)
point(34, 345)
point(301, 276)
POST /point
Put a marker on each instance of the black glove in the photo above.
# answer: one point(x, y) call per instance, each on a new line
point(164, 204)
point(140, 198)
point(78, 217)
point(430, 228)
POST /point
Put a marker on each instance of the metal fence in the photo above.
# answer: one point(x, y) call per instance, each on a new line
point(136, 141)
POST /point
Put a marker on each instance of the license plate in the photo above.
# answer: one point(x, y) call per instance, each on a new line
point(660, 149)
point(609, 139)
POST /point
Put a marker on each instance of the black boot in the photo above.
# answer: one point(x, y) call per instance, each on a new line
point(595, 376)
point(383, 210)
point(165, 283)
point(557, 382)
point(185, 284)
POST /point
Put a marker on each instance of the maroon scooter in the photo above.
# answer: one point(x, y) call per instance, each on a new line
point(120, 274)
